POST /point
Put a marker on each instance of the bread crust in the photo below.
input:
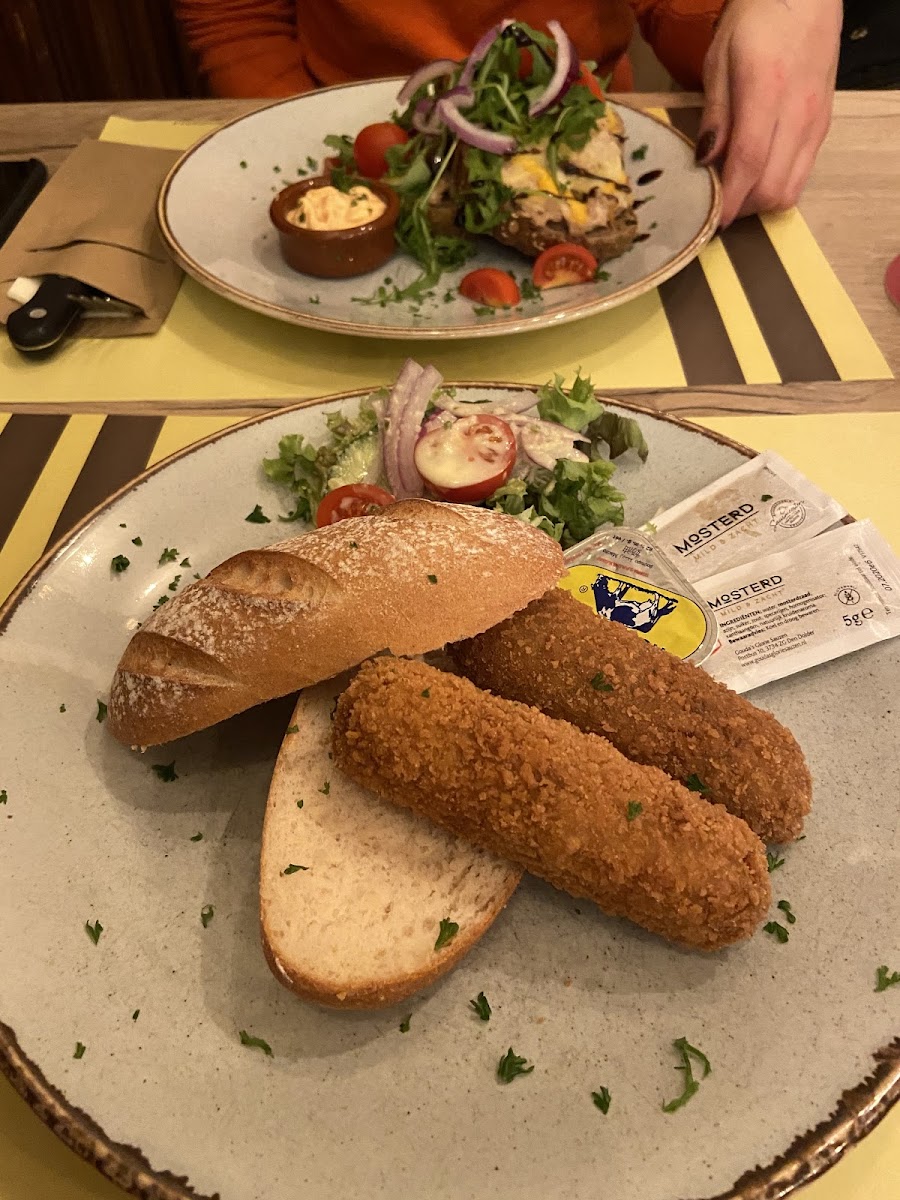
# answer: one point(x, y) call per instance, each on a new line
point(269, 622)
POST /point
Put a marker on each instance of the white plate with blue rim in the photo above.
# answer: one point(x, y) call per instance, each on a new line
point(213, 213)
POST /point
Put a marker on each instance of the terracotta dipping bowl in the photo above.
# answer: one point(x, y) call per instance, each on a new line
point(335, 253)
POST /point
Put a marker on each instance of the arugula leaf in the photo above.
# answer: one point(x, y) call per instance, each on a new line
point(884, 980)
point(448, 931)
point(617, 432)
point(481, 1007)
point(691, 1086)
point(256, 1042)
point(602, 1099)
point(511, 1065)
point(575, 409)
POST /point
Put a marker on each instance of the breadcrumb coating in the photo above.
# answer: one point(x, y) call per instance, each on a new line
point(658, 710)
point(555, 800)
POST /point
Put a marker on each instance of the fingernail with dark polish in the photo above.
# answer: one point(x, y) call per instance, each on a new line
point(705, 143)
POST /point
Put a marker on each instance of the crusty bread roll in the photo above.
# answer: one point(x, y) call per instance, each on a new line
point(355, 923)
point(269, 622)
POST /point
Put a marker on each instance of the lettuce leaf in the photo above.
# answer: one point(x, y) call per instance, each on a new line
point(569, 503)
point(575, 409)
point(618, 433)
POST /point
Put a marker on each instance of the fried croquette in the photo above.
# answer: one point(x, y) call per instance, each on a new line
point(564, 804)
point(658, 710)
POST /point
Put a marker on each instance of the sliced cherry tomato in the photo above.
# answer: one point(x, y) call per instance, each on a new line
point(526, 62)
point(559, 266)
point(351, 500)
point(589, 79)
point(371, 144)
point(468, 460)
point(491, 286)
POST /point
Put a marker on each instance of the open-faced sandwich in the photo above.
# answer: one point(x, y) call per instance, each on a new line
point(516, 143)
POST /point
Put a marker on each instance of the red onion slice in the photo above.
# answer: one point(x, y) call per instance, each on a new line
point(396, 403)
point(498, 408)
point(471, 134)
point(481, 48)
point(545, 443)
point(408, 433)
point(565, 71)
point(432, 70)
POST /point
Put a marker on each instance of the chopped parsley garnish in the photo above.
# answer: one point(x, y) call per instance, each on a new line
point(764, 498)
point(173, 586)
point(313, 300)
point(777, 931)
point(243, 164)
point(426, 692)
point(484, 310)
point(773, 861)
point(256, 1042)
point(354, 545)
point(93, 931)
point(635, 808)
point(299, 803)
point(120, 563)
point(292, 729)
point(198, 837)
point(165, 771)
point(601, 276)
point(79, 1050)
point(325, 789)
point(600, 683)
point(602, 1099)
point(137, 541)
point(404, 1024)
point(257, 517)
point(160, 602)
point(312, 164)
point(102, 710)
point(293, 868)
point(277, 170)
point(185, 562)
point(691, 1086)
point(640, 154)
point(168, 555)
point(135, 1014)
point(62, 708)
point(432, 578)
point(122, 525)
point(448, 931)
point(695, 784)
point(789, 914)
point(207, 912)
point(884, 979)
point(481, 1007)
point(511, 1065)
point(3, 797)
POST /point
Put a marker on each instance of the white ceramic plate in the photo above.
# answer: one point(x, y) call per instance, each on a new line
point(348, 1105)
point(213, 212)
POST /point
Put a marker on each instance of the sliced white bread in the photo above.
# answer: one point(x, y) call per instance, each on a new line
point(355, 923)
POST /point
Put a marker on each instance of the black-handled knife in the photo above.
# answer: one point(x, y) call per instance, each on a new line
point(41, 324)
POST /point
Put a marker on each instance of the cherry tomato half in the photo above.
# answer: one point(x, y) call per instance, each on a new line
point(371, 144)
point(526, 62)
point(468, 460)
point(351, 500)
point(562, 265)
point(590, 82)
point(491, 286)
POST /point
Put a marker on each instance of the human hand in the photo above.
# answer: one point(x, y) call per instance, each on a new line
point(769, 83)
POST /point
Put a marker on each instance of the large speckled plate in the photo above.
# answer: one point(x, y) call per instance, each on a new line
point(168, 1099)
point(213, 212)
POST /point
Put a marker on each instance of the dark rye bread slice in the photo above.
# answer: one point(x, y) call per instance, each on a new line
point(272, 621)
point(353, 890)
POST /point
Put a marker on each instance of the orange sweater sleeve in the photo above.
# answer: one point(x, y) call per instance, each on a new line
point(246, 48)
point(680, 32)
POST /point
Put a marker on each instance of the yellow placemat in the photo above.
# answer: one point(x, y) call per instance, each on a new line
point(761, 305)
point(852, 456)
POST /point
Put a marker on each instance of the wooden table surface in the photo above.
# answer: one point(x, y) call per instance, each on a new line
point(851, 206)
